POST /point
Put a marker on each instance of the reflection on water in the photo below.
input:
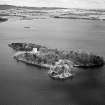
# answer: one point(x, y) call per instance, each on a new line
point(28, 85)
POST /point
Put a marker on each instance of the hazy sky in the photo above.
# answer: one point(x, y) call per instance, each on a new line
point(58, 3)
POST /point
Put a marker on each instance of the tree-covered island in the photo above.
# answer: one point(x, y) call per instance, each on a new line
point(60, 64)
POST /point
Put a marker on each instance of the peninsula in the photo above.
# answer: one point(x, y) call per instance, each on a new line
point(3, 19)
point(60, 64)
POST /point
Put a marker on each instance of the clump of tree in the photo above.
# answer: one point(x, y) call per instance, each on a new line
point(84, 59)
point(79, 58)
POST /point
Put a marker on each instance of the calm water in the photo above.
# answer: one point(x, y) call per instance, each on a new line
point(21, 84)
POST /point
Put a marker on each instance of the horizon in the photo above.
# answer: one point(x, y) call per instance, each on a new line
point(81, 4)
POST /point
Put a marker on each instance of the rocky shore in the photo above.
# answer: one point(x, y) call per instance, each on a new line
point(60, 64)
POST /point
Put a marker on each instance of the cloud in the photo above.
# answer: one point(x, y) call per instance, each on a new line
point(58, 3)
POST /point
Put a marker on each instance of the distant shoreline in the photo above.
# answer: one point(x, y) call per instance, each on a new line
point(52, 12)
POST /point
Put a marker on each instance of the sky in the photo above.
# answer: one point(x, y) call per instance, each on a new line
point(97, 4)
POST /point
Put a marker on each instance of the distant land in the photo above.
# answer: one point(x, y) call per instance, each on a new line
point(51, 12)
point(4, 7)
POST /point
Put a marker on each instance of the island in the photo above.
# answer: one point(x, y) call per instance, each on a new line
point(61, 64)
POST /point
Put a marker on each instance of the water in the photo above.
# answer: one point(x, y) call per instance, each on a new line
point(21, 84)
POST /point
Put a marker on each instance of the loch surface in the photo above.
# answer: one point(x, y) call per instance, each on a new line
point(21, 84)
